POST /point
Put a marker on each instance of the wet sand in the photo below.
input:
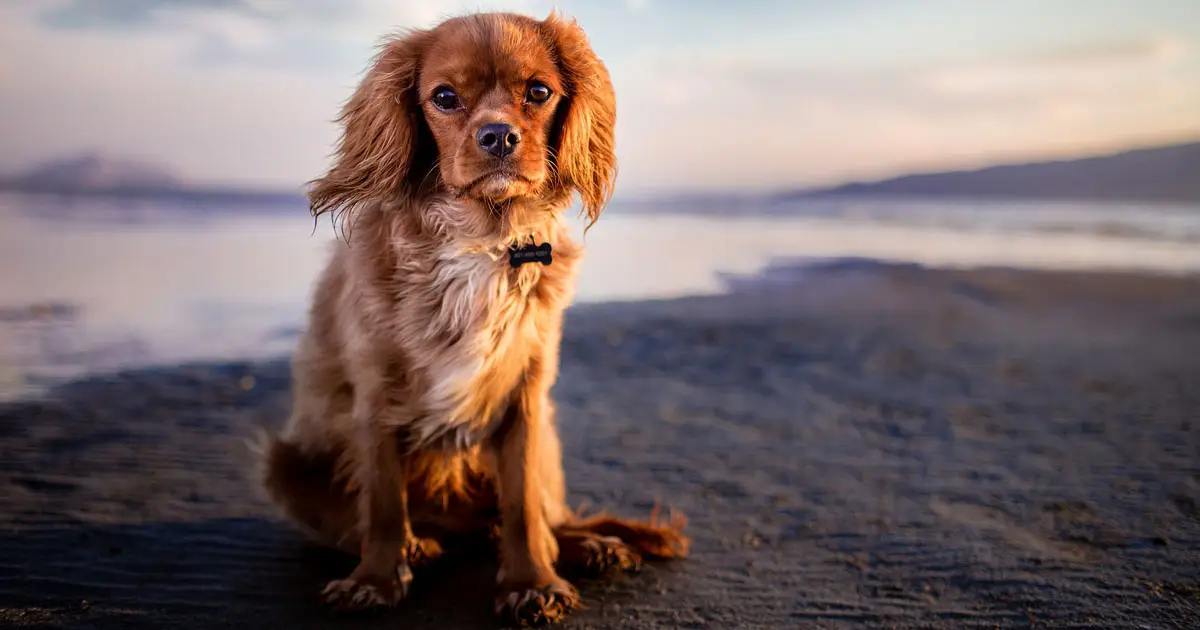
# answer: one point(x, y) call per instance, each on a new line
point(860, 446)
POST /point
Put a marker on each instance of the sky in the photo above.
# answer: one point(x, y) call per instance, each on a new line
point(712, 95)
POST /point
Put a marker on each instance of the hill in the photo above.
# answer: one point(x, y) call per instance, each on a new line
point(1166, 174)
point(95, 172)
point(102, 175)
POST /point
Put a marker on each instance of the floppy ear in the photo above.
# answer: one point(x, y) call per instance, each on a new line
point(585, 149)
point(380, 129)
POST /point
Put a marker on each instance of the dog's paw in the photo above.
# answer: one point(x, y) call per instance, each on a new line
point(360, 592)
point(537, 605)
point(422, 552)
point(593, 556)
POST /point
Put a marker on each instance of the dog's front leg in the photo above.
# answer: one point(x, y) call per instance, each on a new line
point(373, 466)
point(530, 591)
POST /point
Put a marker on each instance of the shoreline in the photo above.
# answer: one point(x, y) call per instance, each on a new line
point(865, 445)
point(787, 274)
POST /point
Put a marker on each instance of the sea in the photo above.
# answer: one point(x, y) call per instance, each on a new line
point(93, 285)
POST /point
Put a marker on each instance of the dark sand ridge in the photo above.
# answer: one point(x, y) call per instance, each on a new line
point(867, 446)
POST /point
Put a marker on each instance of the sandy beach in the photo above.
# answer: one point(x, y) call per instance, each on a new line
point(856, 445)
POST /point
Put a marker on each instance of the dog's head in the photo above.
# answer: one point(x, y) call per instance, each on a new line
point(491, 107)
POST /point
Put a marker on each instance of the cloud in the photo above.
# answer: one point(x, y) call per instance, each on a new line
point(730, 120)
point(1164, 49)
point(279, 35)
point(133, 14)
point(212, 123)
point(245, 90)
point(219, 90)
point(337, 16)
point(1089, 68)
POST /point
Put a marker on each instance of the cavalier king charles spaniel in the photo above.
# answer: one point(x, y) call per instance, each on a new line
point(421, 384)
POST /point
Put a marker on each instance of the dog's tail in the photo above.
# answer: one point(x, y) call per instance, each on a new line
point(305, 488)
point(654, 538)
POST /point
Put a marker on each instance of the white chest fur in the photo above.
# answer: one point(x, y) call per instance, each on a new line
point(482, 328)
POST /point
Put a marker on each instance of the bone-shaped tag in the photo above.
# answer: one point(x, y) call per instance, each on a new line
point(530, 253)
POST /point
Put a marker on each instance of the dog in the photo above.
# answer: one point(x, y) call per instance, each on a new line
point(421, 384)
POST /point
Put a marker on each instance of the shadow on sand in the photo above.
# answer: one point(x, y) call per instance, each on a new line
point(216, 573)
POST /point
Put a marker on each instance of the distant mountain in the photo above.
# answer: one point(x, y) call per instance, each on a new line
point(102, 175)
point(94, 172)
point(1166, 173)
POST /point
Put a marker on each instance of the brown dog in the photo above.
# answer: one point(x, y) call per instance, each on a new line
point(421, 386)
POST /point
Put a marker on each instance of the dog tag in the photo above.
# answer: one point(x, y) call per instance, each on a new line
point(518, 256)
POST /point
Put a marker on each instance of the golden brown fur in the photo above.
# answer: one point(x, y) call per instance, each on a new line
point(421, 385)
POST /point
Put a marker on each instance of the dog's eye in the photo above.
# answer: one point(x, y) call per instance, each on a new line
point(537, 93)
point(446, 99)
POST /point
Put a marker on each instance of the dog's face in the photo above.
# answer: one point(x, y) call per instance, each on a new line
point(489, 93)
point(489, 107)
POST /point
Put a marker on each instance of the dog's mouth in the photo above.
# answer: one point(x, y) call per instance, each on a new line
point(498, 183)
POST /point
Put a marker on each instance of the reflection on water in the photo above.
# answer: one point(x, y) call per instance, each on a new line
point(148, 283)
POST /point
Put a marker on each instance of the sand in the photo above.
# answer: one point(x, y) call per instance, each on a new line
point(862, 446)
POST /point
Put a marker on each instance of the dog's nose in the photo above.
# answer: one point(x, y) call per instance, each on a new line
point(498, 139)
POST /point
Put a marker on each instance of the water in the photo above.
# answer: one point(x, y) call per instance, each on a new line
point(149, 283)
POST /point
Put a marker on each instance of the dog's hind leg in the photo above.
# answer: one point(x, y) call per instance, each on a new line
point(582, 553)
point(306, 487)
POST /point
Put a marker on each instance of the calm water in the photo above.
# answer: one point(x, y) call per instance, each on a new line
point(142, 284)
